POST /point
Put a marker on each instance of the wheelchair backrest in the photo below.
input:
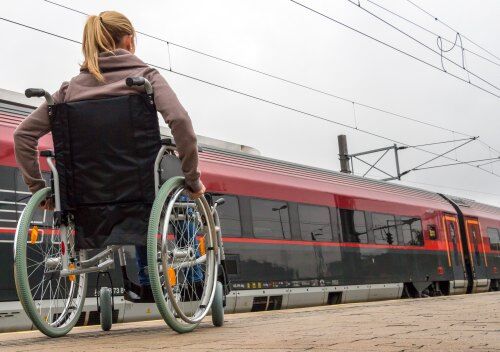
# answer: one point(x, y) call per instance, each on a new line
point(105, 151)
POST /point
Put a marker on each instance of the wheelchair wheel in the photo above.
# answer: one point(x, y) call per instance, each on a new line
point(52, 302)
point(218, 306)
point(106, 308)
point(182, 256)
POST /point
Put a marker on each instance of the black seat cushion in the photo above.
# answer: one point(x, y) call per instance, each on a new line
point(105, 152)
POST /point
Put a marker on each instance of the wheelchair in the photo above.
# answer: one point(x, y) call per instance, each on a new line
point(52, 250)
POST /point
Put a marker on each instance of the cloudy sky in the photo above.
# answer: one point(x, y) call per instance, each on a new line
point(284, 39)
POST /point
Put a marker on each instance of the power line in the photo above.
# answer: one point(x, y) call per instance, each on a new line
point(431, 32)
point(488, 146)
point(495, 160)
point(282, 79)
point(442, 154)
point(451, 28)
point(40, 30)
point(218, 86)
point(394, 48)
point(439, 186)
point(453, 188)
point(305, 113)
point(457, 163)
point(443, 142)
point(358, 5)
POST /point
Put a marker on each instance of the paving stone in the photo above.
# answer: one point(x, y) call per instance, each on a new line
point(457, 323)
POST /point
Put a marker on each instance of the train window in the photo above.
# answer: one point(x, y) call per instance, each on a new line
point(229, 216)
point(8, 206)
point(353, 226)
point(315, 223)
point(412, 231)
point(494, 236)
point(384, 228)
point(270, 219)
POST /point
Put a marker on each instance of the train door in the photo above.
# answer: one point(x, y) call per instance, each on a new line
point(455, 254)
point(477, 255)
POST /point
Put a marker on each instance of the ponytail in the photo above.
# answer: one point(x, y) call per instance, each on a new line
point(102, 34)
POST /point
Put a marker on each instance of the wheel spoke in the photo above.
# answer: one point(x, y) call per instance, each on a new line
point(184, 260)
point(51, 301)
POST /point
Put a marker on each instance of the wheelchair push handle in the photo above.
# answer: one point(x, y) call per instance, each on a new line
point(139, 82)
point(38, 92)
point(135, 81)
point(34, 92)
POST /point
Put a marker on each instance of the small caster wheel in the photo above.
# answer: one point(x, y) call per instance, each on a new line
point(218, 306)
point(106, 306)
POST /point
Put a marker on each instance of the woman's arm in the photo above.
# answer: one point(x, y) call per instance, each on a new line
point(26, 137)
point(182, 129)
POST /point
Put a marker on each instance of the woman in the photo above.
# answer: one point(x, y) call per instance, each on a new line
point(108, 49)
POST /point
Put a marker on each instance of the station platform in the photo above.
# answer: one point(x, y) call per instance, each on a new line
point(452, 323)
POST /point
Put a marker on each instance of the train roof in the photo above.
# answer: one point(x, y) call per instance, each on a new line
point(322, 179)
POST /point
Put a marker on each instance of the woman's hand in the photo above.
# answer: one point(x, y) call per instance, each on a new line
point(196, 195)
point(47, 204)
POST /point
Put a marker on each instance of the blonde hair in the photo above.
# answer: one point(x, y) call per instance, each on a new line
point(102, 34)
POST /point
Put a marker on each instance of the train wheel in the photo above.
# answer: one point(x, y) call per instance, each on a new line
point(52, 302)
point(182, 256)
point(218, 306)
point(106, 308)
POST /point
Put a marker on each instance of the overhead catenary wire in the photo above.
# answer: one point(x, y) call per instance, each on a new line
point(457, 163)
point(432, 32)
point(451, 28)
point(441, 155)
point(388, 112)
point(495, 160)
point(453, 188)
point(358, 5)
point(439, 186)
point(305, 113)
point(497, 95)
point(282, 79)
point(301, 112)
point(436, 143)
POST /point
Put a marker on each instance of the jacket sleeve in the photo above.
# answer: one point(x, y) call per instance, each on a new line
point(26, 137)
point(180, 124)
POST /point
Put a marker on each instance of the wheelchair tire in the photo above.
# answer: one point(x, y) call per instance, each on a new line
point(106, 308)
point(182, 301)
point(53, 303)
point(218, 306)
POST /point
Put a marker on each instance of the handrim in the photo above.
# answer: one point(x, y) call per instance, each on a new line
point(162, 299)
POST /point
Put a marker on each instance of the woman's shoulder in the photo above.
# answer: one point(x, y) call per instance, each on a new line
point(60, 95)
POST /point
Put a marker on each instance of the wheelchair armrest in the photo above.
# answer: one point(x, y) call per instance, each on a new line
point(169, 142)
point(47, 153)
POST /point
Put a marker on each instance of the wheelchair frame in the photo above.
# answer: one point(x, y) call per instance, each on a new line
point(105, 259)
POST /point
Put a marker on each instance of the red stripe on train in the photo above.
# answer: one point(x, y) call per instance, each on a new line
point(437, 246)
